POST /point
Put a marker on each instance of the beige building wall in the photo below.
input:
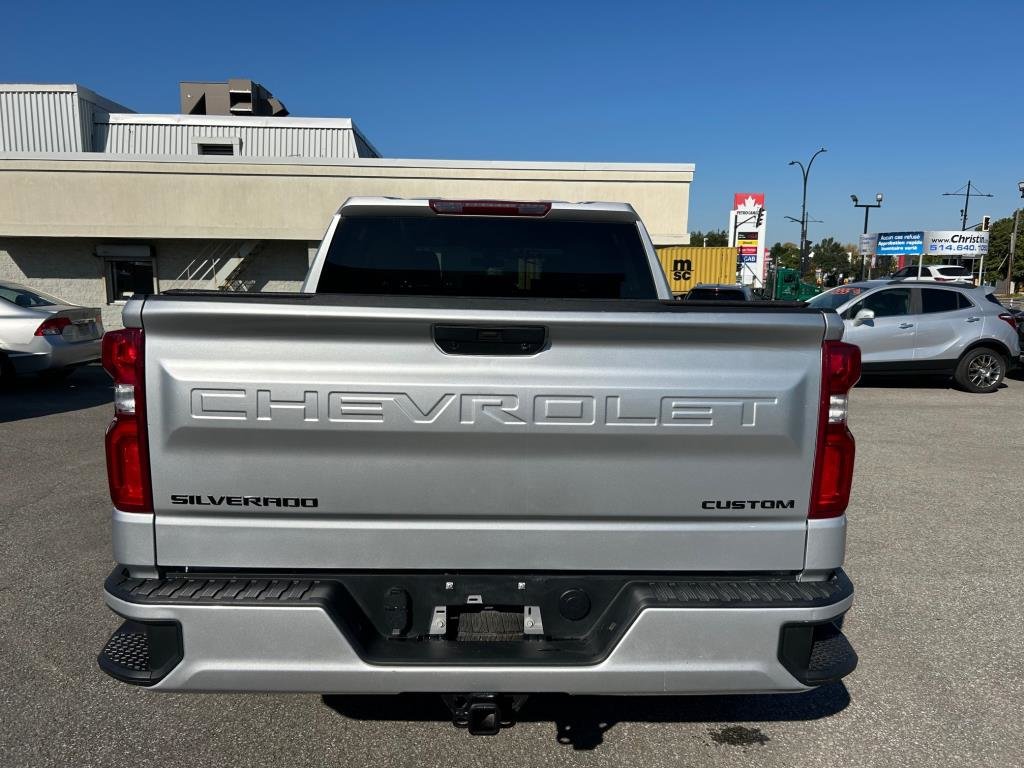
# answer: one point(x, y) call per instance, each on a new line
point(69, 268)
point(81, 196)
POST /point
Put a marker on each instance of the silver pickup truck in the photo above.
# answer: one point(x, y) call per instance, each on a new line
point(484, 454)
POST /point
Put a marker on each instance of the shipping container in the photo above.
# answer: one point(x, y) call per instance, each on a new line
point(687, 265)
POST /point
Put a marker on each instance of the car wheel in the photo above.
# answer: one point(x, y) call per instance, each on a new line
point(980, 370)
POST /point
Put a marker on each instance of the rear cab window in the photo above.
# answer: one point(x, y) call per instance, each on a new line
point(493, 257)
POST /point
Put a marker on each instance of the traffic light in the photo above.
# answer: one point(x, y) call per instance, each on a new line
point(985, 221)
point(760, 216)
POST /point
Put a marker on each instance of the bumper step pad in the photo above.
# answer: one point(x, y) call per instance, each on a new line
point(142, 654)
point(817, 653)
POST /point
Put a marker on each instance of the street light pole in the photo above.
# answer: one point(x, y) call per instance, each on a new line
point(805, 171)
point(867, 209)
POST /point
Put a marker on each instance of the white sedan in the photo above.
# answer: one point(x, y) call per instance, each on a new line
point(41, 333)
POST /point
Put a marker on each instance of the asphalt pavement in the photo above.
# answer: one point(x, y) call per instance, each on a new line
point(935, 552)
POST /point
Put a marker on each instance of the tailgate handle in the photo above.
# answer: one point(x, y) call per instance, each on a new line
point(490, 340)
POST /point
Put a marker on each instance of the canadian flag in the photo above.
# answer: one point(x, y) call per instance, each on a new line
point(747, 201)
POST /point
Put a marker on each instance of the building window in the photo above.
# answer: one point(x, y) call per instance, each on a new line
point(126, 279)
point(224, 146)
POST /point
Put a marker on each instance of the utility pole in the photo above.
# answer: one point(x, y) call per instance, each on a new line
point(1013, 249)
point(967, 201)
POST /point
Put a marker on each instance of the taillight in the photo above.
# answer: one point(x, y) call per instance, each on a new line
point(127, 446)
point(1010, 320)
point(53, 326)
point(489, 208)
point(833, 459)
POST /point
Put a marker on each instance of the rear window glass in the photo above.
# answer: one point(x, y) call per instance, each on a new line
point(953, 271)
point(992, 297)
point(26, 298)
point(721, 294)
point(487, 257)
point(936, 300)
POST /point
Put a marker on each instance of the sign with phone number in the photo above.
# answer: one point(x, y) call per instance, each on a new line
point(956, 243)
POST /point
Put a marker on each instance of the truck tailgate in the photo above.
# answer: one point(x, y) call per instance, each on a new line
point(332, 432)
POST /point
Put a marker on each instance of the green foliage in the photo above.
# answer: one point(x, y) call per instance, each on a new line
point(785, 255)
point(716, 237)
point(999, 246)
point(830, 256)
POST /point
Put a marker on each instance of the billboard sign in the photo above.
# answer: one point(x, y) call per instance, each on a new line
point(954, 243)
point(746, 236)
point(946, 243)
point(900, 244)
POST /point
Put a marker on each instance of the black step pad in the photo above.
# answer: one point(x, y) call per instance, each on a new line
point(142, 653)
point(128, 650)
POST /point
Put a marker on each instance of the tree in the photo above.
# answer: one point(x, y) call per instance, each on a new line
point(716, 237)
point(785, 255)
point(999, 246)
point(831, 258)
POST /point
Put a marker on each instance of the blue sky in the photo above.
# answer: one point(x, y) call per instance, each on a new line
point(910, 98)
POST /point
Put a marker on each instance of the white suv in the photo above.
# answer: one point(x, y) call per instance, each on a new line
point(939, 273)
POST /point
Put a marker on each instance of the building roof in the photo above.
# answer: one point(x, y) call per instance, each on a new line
point(62, 117)
point(85, 93)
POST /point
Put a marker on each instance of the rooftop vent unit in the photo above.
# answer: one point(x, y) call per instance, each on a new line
point(237, 96)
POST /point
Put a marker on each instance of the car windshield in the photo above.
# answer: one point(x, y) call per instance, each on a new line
point(836, 297)
point(23, 297)
point(953, 271)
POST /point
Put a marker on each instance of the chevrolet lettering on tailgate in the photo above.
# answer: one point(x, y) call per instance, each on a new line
point(367, 408)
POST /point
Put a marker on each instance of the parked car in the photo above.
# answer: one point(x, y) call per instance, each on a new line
point(40, 333)
point(481, 454)
point(720, 292)
point(905, 327)
point(938, 273)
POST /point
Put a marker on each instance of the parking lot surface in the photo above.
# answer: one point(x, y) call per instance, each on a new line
point(935, 552)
